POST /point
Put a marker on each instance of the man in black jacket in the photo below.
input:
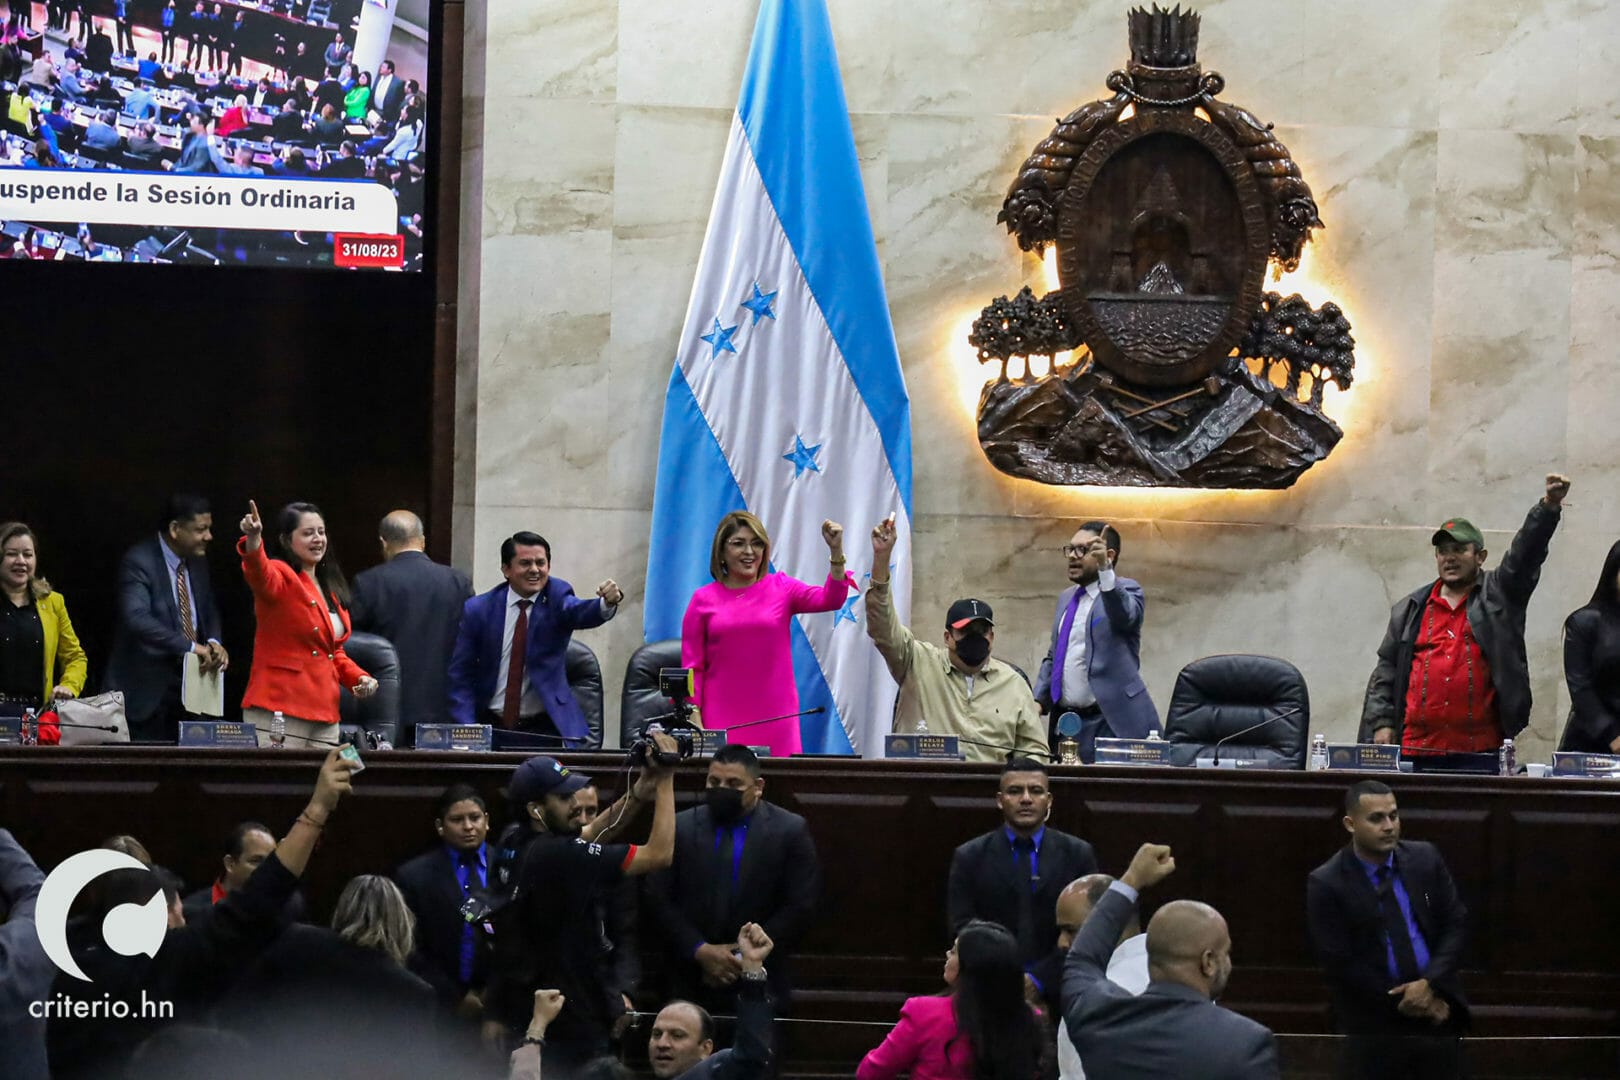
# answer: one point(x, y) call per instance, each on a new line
point(416, 604)
point(1452, 675)
point(681, 1046)
point(451, 953)
point(738, 859)
point(1388, 927)
point(1013, 874)
point(166, 609)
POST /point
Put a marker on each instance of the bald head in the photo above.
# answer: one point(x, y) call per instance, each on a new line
point(400, 531)
point(1188, 943)
point(1074, 905)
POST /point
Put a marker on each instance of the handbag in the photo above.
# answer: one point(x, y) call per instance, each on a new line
point(93, 721)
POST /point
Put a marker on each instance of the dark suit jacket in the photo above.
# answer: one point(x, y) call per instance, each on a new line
point(1592, 670)
point(1169, 1030)
point(431, 892)
point(1347, 933)
point(389, 102)
point(982, 884)
point(778, 886)
point(416, 604)
point(1113, 658)
point(750, 1055)
point(148, 644)
point(556, 614)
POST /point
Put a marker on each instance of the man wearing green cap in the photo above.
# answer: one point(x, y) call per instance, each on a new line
point(1452, 676)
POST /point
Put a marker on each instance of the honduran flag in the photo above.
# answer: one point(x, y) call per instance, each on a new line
point(787, 398)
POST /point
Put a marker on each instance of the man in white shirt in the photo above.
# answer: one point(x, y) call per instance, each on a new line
point(1127, 967)
point(1093, 666)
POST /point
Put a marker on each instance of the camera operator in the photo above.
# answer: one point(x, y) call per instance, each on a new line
point(549, 873)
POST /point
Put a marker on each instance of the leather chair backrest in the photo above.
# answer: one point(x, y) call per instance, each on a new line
point(380, 712)
point(1219, 696)
point(641, 701)
point(585, 680)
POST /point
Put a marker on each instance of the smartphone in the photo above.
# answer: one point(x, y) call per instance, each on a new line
point(349, 753)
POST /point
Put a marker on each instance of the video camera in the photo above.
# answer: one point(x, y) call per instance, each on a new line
point(675, 684)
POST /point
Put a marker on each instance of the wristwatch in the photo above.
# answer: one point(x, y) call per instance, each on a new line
point(753, 976)
point(534, 1040)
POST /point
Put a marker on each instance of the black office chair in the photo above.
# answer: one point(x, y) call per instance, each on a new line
point(585, 680)
point(641, 700)
point(378, 714)
point(1218, 697)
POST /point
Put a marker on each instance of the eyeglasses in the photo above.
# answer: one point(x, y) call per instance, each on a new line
point(740, 544)
point(1071, 550)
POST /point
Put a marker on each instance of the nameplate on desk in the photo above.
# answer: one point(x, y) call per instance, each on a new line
point(1366, 757)
point(1133, 752)
point(9, 731)
point(453, 737)
point(1567, 763)
point(912, 745)
point(218, 733)
point(707, 743)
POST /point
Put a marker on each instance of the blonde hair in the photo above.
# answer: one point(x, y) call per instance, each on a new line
point(371, 913)
point(9, 532)
point(729, 525)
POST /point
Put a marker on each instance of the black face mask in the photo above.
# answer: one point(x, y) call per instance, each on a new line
point(974, 649)
point(725, 804)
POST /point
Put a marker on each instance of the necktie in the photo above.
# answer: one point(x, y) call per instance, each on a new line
point(469, 881)
point(514, 667)
point(187, 625)
point(725, 857)
point(1024, 882)
point(1060, 651)
point(1400, 937)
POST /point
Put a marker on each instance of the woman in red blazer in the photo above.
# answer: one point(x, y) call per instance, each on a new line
point(298, 602)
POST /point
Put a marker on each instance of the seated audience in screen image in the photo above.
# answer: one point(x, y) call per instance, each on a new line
point(246, 849)
point(102, 132)
point(738, 859)
point(1592, 666)
point(144, 145)
point(1171, 1029)
point(1012, 875)
point(197, 153)
point(141, 104)
point(1389, 930)
point(288, 124)
point(345, 166)
point(1452, 674)
point(983, 1029)
point(150, 69)
point(184, 966)
point(417, 604)
point(233, 119)
point(292, 163)
point(166, 610)
point(736, 634)
point(41, 660)
point(1127, 967)
point(1093, 665)
point(241, 162)
point(452, 954)
point(956, 687)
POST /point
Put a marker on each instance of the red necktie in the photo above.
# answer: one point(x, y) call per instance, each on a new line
point(514, 667)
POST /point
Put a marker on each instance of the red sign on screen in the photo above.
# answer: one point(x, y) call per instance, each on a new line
point(366, 250)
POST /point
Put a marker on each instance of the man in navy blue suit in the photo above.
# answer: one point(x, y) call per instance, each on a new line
point(1093, 666)
point(508, 666)
point(165, 610)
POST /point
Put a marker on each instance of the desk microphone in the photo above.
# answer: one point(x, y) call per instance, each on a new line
point(1010, 751)
point(773, 719)
point(1252, 727)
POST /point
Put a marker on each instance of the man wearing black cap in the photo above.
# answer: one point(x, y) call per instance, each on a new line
point(955, 687)
point(552, 873)
point(1452, 675)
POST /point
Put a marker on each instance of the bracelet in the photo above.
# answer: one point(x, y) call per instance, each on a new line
point(534, 1040)
point(838, 561)
point(311, 822)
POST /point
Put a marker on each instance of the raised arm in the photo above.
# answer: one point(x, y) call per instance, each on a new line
point(750, 1056)
point(261, 576)
point(894, 642)
point(1085, 970)
point(803, 598)
point(1521, 567)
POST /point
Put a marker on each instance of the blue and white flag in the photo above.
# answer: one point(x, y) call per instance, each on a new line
point(787, 399)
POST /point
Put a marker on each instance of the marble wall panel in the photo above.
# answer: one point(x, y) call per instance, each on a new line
point(1462, 153)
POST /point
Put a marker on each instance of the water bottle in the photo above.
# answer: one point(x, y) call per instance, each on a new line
point(278, 731)
point(26, 734)
point(1508, 758)
point(1154, 736)
point(1318, 753)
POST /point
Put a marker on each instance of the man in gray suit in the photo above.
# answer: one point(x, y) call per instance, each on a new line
point(1173, 1028)
point(1093, 665)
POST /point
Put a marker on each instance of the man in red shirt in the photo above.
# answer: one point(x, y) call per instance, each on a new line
point(1452, 673)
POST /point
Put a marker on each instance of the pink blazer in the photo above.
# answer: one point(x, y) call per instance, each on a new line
point(920, 1044)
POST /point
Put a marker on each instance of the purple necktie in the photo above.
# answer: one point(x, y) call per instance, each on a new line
point(1061, 651)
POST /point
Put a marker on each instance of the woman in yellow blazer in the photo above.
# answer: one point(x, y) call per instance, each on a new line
point(40, 656)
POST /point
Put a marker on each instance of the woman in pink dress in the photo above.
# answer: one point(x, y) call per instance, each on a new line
point(982, 1029)
point(736, 635)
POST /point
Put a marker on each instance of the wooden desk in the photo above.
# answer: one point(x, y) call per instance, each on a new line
point(1535, 859)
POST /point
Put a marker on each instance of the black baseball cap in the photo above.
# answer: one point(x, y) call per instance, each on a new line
point(966, 611)
point(541, 776)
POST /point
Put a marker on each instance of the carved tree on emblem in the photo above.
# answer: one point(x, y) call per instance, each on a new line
point(1166, 206)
